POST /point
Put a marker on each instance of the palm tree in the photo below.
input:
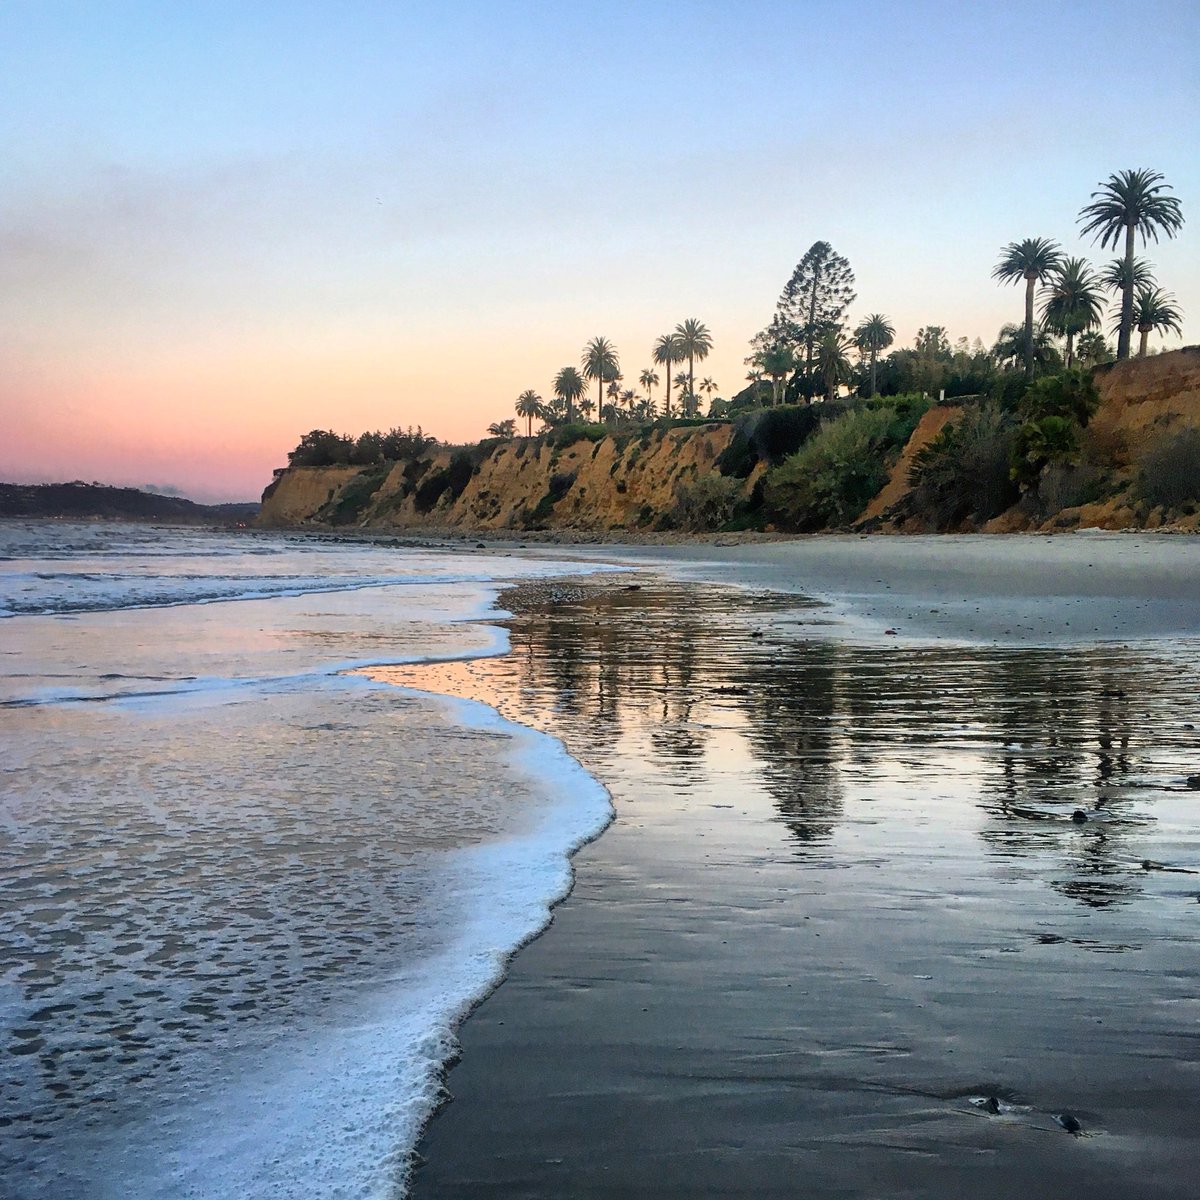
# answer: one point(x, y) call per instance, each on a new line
point(1031, 260)
point(503, 429)
point(708, 386)
point(1093, 349)
point(779, 362)
point(1125, 205)
point(1154, 311)
point(529, 405)
point(695, 341)
point(833, 361)
point(1012, 346)
point(666, 354)
point(1071, 302)
point(568, 387)
point(649, 380)
point(1114, 276)
point(685, 395)
point(613, 392)
point(600, 363)
point(874, 335)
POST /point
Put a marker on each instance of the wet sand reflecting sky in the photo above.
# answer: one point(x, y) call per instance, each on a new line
point(901, 880)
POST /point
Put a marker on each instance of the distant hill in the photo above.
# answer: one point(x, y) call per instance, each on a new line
point(85, 501)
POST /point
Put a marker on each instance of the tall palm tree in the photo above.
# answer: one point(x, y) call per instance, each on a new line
point(568, 387)
point(695, 341)
point(1127, 204)
point(779, 362)
point(529, 405)
point(666, 354)
point(874, 335)
point(1031, 260)
point(649, 380)
point(600, 363)
point(1071, 302)
point(833, 361)
point(1154, 311)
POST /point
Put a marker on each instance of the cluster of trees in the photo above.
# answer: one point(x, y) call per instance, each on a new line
point(690, 342)
point(1126, 205)
point(324, 448)
point(805, 351)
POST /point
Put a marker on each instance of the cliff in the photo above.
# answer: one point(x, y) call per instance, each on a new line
point(1142, 401)
point(621, 481)
point(632, 480)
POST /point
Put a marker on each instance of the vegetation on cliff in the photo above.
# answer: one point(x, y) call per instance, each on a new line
point(830, 404)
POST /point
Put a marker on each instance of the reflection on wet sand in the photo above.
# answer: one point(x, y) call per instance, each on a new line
point(1064, 755)
point(873, 917)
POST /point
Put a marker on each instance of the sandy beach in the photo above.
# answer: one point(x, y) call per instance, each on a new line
point(906, 914)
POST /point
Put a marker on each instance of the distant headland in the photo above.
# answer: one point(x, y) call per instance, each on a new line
point(78, 501)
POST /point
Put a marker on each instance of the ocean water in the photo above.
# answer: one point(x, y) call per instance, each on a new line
point(247, 892)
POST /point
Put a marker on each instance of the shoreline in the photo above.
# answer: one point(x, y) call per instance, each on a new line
point(641, 1046)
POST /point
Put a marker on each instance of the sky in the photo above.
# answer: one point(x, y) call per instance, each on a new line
point(225, 224)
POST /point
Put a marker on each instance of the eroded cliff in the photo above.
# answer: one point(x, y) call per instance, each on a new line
point(622, 481)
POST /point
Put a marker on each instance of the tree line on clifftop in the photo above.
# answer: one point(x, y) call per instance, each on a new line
point(829, 404)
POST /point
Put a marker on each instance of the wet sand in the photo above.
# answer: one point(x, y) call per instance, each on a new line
point(1005, 590)
point(859, 894)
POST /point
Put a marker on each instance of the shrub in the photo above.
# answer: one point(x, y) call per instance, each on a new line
point(1169, 469)
point(905, 404)
point(321, 448)
point(347, 506)
point(324, 448)
point(560, 484)
point(780, 432)
point(770, 435)
point(738, 458)
point(452, 479)
point(1072, 395)
point(705, 503)
point(835, 475)
point(1039, 443)
point(964, 471)
point(1067, 485)
point(577, 431)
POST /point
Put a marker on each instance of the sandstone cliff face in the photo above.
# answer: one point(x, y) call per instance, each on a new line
point(1141, 400)
point(897, 486)
point(626, 481)
point(1144, 397)
point(298, 494)
point(632, 480)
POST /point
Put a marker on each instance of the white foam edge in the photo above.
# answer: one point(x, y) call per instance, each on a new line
point(341, 1118)
point(317, 587)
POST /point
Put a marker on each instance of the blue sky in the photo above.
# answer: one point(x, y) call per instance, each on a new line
point(223, 224)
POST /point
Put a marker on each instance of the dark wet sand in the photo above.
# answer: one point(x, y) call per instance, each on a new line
point(843, 904)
